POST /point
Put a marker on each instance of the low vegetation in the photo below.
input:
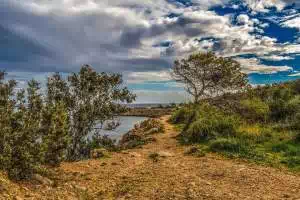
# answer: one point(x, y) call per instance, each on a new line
point(263, 126)
point(141, 134)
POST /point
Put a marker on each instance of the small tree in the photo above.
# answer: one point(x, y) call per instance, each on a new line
point(25, 136)
point(205, 75)
point(91, 98)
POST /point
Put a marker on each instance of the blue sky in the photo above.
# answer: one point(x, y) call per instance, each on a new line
point(142, 38)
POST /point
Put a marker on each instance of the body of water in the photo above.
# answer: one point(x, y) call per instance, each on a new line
point(127, 123)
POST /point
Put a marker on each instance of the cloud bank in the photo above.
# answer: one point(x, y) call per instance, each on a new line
point(141, 39)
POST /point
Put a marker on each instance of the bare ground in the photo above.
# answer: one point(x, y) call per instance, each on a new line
point(133, 175)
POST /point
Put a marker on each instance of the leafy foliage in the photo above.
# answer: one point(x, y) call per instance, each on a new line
point(205, 75)
point(91, 99)
point(56, 138)
point(255, 109)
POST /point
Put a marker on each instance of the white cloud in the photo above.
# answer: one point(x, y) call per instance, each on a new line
point(292, 23)
point(253, 65)
point(263, 5)
point(140, 77)
point(276, 57)
point(295, 75)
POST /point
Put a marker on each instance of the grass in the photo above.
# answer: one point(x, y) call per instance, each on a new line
point(262, 143)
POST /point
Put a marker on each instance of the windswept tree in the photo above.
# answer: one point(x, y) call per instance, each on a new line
point(205, 75)
point(91, 98)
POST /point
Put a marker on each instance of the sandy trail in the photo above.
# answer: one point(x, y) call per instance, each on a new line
point(133, 175)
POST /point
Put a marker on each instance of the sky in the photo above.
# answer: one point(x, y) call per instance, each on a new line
point(142, 38)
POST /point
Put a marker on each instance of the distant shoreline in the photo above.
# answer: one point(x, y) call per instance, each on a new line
point(150, 112)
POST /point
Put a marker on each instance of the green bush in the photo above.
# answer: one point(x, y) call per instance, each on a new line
point(182, 115)
point(255, 109)
point(281, 104)
point(56, 137)
point(226, 144)
point(292, 162)
point(293, 106)
point(210, 127)
point(152, 124)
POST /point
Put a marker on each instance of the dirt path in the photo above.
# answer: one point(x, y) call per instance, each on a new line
point(133, 175)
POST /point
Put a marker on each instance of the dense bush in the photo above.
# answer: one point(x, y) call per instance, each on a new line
point(278, 103)
point(255, 109)
point(211, 123)
point(227, 144)
point(152, 124)
point(182, 115)
point(24, 139)
point(141, 134)
point(56, 138)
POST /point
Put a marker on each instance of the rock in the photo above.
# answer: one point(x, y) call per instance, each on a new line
point(191, 150)
point(152, 131)
point(42, 180)
point(134, 154)
point(80, 188)
point(18, 198)
point(98, 153)
point(165, 154)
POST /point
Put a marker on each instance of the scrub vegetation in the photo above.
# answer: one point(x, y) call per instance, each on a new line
point(47, 128)
point(261, 125)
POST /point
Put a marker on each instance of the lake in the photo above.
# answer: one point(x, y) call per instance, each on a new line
point(127, 123)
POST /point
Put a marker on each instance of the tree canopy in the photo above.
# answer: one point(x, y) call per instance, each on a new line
point(206, 75)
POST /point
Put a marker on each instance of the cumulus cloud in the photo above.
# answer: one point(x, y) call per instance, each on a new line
point(253, 65)
point(141, 39)
point(120, 35)
point(140, 77)
point(276, 57)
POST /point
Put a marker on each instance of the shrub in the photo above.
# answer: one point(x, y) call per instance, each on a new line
point(25, 138)
point(181, 115)
point(255, 133)
point(280, 104)
point(152, 125)
point(99, 141)
point(296, 125)
point(226, 144)
point(56, 136)
point(255, 109)
point(210, 127)
point(292, 162)
point(293, 106)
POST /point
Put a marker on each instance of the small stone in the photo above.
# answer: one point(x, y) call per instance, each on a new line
point(165, 154)
point(18, 198)
point(80, 188)
point(98, 153)
point(134, 154)
point(42, 180)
